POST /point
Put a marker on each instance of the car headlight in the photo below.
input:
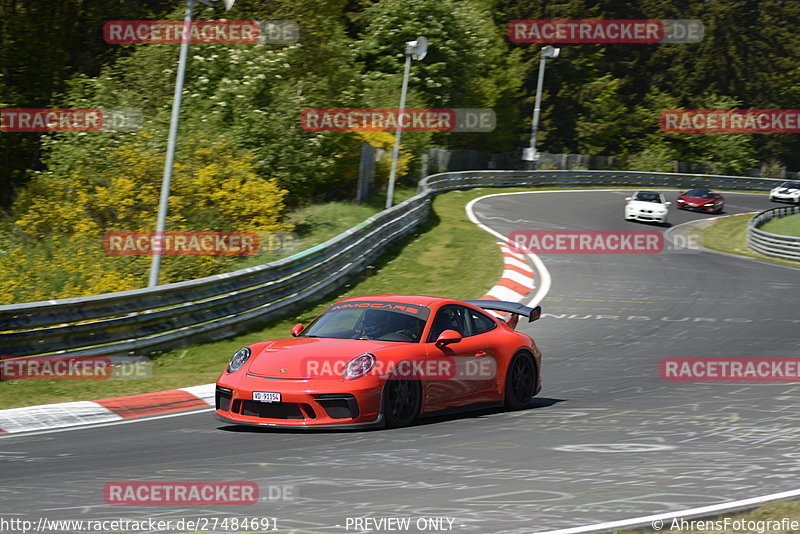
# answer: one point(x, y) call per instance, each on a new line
point(359, 366)
point(239, 359)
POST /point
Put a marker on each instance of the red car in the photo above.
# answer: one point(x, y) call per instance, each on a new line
point(384, 359)
point(701, 199)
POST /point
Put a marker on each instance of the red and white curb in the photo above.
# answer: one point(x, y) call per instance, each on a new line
point(68, 414)
point(515, 283)
point(517, 278)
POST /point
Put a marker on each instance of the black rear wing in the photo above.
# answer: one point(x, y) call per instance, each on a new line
point(508, 307)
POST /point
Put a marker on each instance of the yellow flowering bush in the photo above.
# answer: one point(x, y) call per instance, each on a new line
point(56, 246)
point(385, 141)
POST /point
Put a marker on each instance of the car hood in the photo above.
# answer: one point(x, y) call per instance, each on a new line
point(696, 200)
point(785, 190)
point(639, 205)
point(307, 357)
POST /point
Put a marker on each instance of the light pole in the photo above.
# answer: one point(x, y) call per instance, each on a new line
point(414, 50)
point(169, 160)
point(529, 154)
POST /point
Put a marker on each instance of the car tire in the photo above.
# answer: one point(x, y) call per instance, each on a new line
point(520, 381)
point(401, 402)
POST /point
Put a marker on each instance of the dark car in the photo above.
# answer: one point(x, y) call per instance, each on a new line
point(701, 199)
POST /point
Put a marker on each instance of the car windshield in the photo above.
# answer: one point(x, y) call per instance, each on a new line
point(791, 185)
point(699, 193)
point(384, 321)
point(647, 196)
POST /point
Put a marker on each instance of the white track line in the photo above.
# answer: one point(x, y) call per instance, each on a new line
point(84, 414)
point(657, 519)
point(49, 416)
point(112, 423)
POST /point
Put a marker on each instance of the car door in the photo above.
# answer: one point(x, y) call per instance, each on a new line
point(484, 366)
point(459, 387)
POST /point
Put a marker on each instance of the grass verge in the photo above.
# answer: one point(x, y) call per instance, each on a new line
point(728, 234)
point(785, 225)
point(318, 223)
point(447, 256)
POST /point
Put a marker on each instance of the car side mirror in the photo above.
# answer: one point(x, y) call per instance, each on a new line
point(297, 329)
point(447, 337)
point(667, 203)
point(627, 198)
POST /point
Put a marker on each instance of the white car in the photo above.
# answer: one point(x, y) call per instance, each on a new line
point(786, 192)
point(647, 206)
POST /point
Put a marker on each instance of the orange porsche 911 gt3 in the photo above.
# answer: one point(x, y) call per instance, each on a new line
point(384, 359)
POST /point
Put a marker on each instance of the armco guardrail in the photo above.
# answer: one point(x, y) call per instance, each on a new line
point(142, 321)
point(778, 246)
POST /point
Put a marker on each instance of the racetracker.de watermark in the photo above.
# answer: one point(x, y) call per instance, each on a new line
point(600, 242)
point(75, 368)
point(223, 523)
point(385, 120)
point(70, 120)
point(201, 32)
point(441, 368)
point(181, 243)
point(730, 369)
point(188, 493)
point(730, 121)
point(56, 368)
point(650, 31)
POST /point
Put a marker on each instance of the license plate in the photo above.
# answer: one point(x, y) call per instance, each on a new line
point(266, 396)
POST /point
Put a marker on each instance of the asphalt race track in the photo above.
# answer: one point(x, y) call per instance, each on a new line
point(606, 439)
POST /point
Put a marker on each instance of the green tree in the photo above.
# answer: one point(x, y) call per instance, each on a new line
point(599, 128)
point(724, 153)
point(645, 146)
point(42, 45)
point(468, 64)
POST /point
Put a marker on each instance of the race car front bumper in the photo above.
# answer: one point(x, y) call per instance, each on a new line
point(645, 216)
point(303, 403)
point(709, 208)
point(778, 197)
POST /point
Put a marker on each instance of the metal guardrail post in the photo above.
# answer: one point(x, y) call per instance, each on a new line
point(771, 244)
